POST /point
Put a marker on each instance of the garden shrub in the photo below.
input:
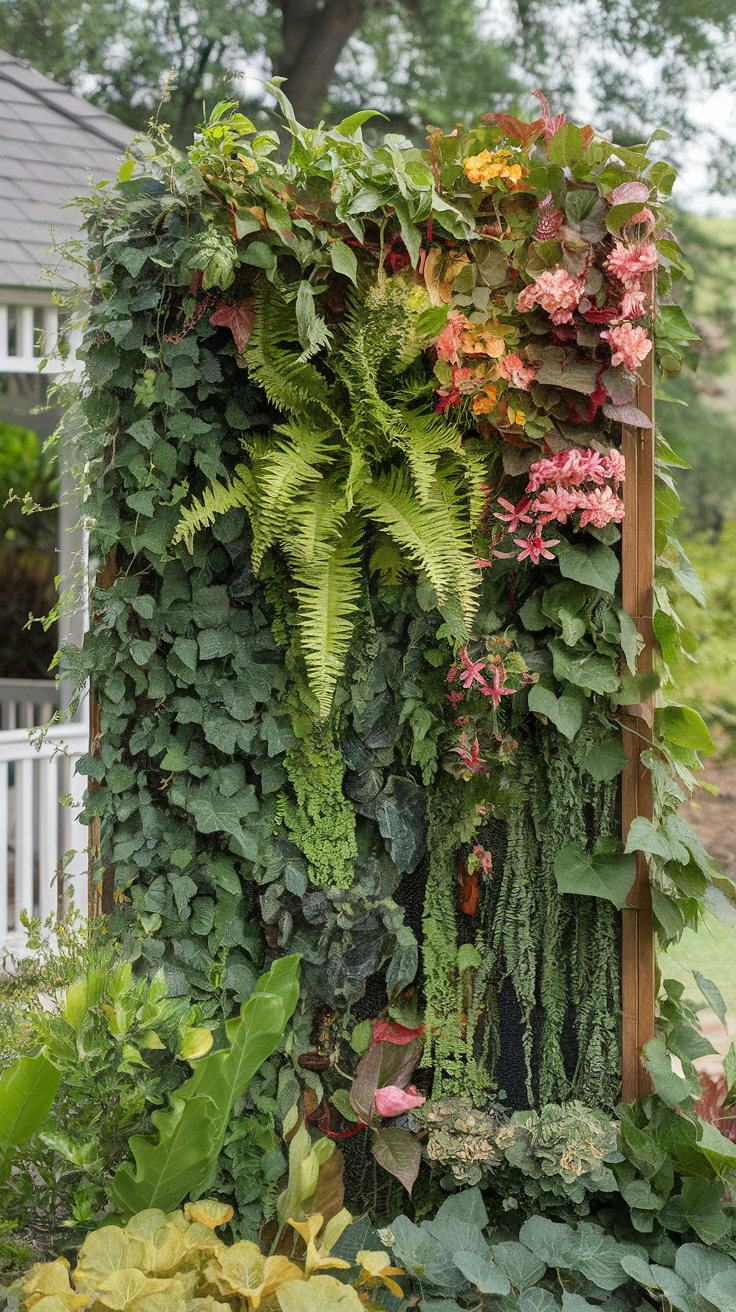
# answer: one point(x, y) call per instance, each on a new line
point(357, 702)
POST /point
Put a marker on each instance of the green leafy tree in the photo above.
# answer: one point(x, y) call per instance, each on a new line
point(418, 61)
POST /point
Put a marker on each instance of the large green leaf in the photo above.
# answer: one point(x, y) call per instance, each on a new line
point(27, 1090)
point(183, 1156)
point(608, 875)
point(567, 712)
point(596, 565)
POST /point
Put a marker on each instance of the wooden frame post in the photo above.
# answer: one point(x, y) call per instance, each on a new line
point(638, 989)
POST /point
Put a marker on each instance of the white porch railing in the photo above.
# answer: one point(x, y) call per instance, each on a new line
point(39, 797)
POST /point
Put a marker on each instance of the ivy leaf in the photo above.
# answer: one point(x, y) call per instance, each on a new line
point(618, 215)
point(643, 837)
point(399, 1153)
point(672, 1088)
point(606, 875)
point(595, 564)
point(712, 995)
point(584, 671)
point(567, 712)
point(684, 727)
point(607, 759)
point(717, 1150)
point(214, 813)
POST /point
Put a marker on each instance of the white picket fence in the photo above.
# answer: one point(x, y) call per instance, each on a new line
point(39, 798)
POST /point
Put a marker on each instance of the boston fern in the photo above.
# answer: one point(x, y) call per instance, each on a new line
point(360, 459)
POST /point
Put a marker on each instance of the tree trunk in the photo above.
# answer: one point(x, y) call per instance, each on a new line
point(314, 39)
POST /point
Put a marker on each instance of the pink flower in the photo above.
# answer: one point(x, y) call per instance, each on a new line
point(473, 671)
point(556, 292)
point(455, 698)
point(632, 302)
point(615, 465)
point(389, 1031)
point(629, 344)
point(515, 371)
point(534, 546)
point(497, 689)
point(392, 1101)
point(628, 263)
point(554, 503)
point(485, 859)
point(567, 469)
point(517, 514)
point(627, 192)
point(449, 340)
point(469, 753)
point(600, 507)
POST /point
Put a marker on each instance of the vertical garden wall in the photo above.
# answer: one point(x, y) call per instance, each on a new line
point(351, 439)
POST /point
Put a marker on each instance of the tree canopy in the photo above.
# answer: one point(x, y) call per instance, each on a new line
point(419, 61)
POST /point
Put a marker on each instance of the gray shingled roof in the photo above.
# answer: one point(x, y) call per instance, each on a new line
point(50, 141)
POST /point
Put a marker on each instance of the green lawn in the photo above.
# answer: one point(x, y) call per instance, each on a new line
point(712, 951)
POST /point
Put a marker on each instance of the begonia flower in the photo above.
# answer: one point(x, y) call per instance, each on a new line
point(632, 302)
point(392, 1101)
point(448, 342)
point(629, 344)
point(628, 263)
point(515, 371)
point(556, 292)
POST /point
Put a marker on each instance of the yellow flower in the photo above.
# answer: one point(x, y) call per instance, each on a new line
point(485, 401)
point(482, 169)
point(376, 1266)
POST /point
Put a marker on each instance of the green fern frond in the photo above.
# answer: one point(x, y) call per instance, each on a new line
point(419, 530)
point(275, 360)
point(282, 474)
point(327, 596)
point(315, 522)
point(216, 500)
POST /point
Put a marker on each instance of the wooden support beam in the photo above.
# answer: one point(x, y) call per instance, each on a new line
point(637, 578)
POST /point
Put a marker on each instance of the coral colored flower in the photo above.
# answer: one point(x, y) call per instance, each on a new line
point(497, 689)
point(452, 673)
point(615, 465)
point(554, 503)
point(389, 1031)
point(600, 507)
point(515, 371)
point(485, 402)
point(485, 168)
point(392, 1101)
point(628, 263)
point(517, 514)
point(469, 753)
point(534, 547)
point(485, 859)
point(454, 698)
point(556, 292)
point(472, 671)
point(632, 302)
point(629, 344)
point(448, 342)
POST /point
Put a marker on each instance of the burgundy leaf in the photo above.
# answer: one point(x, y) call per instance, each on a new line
point(363, 1091)
point(238, 318)
point(627, 414)
point(390, 1031)
point(619, 383)
point(398, 1152)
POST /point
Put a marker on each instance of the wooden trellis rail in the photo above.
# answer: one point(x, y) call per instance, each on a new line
point(637, 579)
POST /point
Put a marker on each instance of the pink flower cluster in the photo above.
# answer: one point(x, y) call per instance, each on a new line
point(581, 480)
point(472, 672)
point(449, 341)
point(629, 343)
point(559, 485)
point(556, 292)
point(627, 264)
point(513, 369)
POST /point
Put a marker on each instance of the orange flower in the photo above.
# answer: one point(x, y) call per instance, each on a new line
point(485, 401)
point(484, 168)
